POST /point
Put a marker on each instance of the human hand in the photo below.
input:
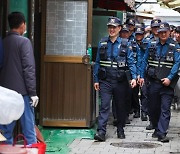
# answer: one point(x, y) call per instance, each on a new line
point(141, 82)
point(96, 86)
point(166, 81)
point(133, 83)
point(34, 101)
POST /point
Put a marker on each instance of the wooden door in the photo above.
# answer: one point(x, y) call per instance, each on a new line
point(66, 82)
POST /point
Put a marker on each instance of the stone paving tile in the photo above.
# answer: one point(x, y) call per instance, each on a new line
point(135, 132)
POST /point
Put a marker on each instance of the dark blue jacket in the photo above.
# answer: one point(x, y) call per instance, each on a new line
point(1, 53)
point(18, 71)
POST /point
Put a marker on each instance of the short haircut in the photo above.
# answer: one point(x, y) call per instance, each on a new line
point(15, 19)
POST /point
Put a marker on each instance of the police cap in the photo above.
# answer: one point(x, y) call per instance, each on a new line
point(140, 30)
point(125, 28)
point(172, 27)
point(114, 21)
point(178, 29)
point(130, 22)
point(163, 26)
point(155, 23)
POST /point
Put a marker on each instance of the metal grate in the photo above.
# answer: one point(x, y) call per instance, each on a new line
point(140, 145)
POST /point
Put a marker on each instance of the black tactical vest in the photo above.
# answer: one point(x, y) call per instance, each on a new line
point(160, 67)
point(113, 68)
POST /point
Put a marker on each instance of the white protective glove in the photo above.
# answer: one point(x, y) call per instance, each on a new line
point(34, 101)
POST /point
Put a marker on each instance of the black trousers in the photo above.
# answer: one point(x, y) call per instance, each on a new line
point(118, 91)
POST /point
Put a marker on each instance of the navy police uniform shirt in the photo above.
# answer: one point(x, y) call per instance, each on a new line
point(115, 47)
point(164, 48)
point(131, 37)
point(140, 55)
point(152, 38)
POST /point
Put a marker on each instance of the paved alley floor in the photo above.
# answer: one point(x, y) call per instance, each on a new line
point(138, 140)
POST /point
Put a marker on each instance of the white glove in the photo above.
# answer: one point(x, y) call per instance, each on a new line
point(34, 101)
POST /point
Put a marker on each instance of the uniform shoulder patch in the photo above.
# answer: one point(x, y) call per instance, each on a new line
point(178, 49)
point(103, 43)
point(172, 44)
point(130, 47)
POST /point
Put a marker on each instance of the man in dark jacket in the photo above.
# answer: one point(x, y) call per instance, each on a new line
point(1, 53)
point(18, 73)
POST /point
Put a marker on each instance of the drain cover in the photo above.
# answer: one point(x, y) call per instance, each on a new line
point(140, 145)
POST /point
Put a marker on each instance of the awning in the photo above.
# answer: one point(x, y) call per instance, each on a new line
point(154, 10)
point(172, 4)
point(121, 5)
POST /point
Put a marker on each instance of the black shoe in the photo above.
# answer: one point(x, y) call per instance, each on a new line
point(115, 122)
point(143, 116)
point(150, 126)
point(155, 134)
point(99, 137)
point(163, 139)
point(136, 115)
point(121, 135)
point(128, 121)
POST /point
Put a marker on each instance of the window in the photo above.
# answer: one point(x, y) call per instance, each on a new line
point(66, 27)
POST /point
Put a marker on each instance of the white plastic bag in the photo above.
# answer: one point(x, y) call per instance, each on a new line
point(11, 105)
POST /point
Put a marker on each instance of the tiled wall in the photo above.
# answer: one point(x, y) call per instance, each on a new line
point(66, 27)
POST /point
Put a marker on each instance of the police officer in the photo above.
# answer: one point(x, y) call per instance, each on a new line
point(124, 33)
point(163, 59)
point(111, 70)
point(139, 47)
point(177, 34)
point(153, 37)
point(154, 28)
point(172, 30)
point(131, 24)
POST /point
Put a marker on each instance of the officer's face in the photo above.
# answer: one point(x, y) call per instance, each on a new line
point(177, 35)
point(154, 30)
point(131, 27)
point(124, 34)
point(164, 35)
point(114, 30)
point(139, 37)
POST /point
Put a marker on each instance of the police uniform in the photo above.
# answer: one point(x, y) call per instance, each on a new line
point(154, 23)
point(163, 62)
point(125, 29)
point(139, 50)
point(178, 32)
point(151, 38)
point(123, 34)
point(113, 62)
point(131, 22)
